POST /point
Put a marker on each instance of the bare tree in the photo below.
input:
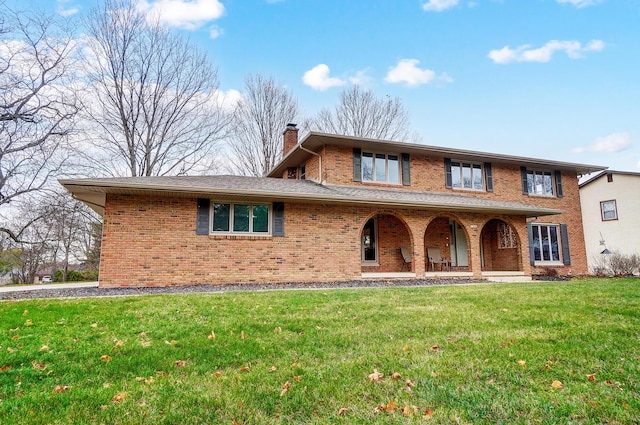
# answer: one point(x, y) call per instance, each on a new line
point(260, 119)
point(360, 113)
point(155, 109)
point(37, 108)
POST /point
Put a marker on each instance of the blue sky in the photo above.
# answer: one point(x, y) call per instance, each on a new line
point(555, 79)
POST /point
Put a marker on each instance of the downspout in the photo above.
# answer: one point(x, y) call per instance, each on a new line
point(319, 160)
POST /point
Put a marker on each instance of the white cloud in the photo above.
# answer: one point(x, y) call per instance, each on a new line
point(361, 78)
point(227, 101)
point(612, 143)
point(407, 72)
point(215, 32)
point(579, 3)
point(525, 53)
point(318, 78)
point(63, 10)
point(439, 5)
point(187, 14)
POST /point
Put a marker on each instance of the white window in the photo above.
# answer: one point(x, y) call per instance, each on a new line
point(380, 167)
point(240, 218)
point(466, 175)
point(540, 182)
point(546, 243)
point(609, 210)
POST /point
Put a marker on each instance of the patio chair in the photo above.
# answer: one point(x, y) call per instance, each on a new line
point(434, 257)
point(406, 257)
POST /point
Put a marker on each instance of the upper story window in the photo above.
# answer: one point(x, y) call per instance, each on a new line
point(240, 218)
point(608, 210)
point(380, 167)
point(468, 175)
point(541, 182)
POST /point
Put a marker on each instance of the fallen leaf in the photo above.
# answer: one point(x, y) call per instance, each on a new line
point(142, 335)
point(375, 376)
point(557, 385)
point(38, 366)
point(396, 375)
point(409, 383)
point(94, 325)
point(434, 375)
point(409, 410)
point(278, 329)
point(5, 368)
point(243, 335)
point(296, 378)
point(406, 348)
point(173, 341)
point(44, 348)
point(217, 374)
point(15, 337)
point(61, 388)
point(24, 313)
point(285, 388)
point(272, 369)
point(435, 347)
point(180, 363)
point(428, 413)
point(150, 380)
point(119, 397)
point(318, 328)
point(591, 377)
point(212, 335)
point(105, 358)
point(389, 407)
point(343, 411)
point(608, 382)
point(29, 322)
point(10, 350)
point(118, 344)
point(522, 363)
point(244, 369)
point(145, 344)
point(106, 385)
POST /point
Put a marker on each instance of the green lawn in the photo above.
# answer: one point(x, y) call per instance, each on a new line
point(474, 354)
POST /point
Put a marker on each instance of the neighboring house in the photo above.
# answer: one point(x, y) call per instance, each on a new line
point(610, 203)
point(338, 208)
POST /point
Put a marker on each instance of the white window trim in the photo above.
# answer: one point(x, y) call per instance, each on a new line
point(560, 261)
point(386, 164)
point(615, 210)
point(471, 164)
point(553, 182)
point(231, 218)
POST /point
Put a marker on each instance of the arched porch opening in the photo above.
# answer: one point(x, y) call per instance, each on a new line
point(500, 247)
point(381, 238)
point(448, 237)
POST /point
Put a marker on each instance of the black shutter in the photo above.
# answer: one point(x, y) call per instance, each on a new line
point(448, 181)
point(202, 220)
point(278, 219)
point(532, 254)
point(559, 184)
point(488, 176)
point(406, 169)
point(525, 186)
point(357, 165)
point(564, 237)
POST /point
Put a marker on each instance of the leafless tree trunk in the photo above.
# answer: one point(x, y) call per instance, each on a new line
point(360, 113)
point(260, 119)
point(155, 109)
point(37, 107)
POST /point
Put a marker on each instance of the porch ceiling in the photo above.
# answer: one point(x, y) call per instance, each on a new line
point(239, 188)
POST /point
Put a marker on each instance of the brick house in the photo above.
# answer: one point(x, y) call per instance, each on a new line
point(339, 208)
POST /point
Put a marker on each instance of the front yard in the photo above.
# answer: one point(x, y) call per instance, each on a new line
point(564, 352)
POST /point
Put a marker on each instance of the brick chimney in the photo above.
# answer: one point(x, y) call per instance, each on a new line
point(290, 138)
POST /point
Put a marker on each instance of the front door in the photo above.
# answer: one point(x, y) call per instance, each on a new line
point(459, 253)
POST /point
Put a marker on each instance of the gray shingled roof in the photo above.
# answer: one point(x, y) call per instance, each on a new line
point(90, 190)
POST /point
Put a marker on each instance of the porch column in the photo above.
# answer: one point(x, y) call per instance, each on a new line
point(474, 231)
point(418, 252)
